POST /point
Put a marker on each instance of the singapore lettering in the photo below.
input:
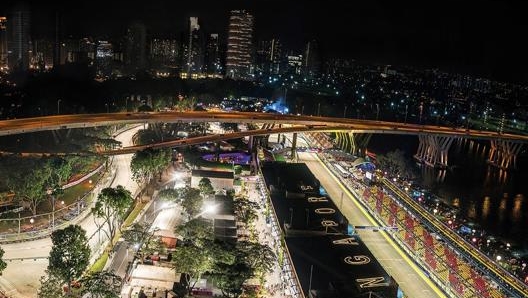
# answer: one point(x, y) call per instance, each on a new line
point(325, 211)
point(372, 282)
point(317, 200)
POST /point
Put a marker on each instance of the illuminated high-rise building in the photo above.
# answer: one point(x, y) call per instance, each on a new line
point(42, 54)
point(135, 55)
point(194, 62)
point(213, 59)
point(103, 58)
point(268, 57)
point(3, 42)
point(239, 45)
point(164, 52)
point(19, 28)
point(312, 60)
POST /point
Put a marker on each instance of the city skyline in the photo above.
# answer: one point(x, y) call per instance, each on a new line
point(477, 38)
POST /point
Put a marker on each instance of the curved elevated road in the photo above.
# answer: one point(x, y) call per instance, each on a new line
point(18, 126)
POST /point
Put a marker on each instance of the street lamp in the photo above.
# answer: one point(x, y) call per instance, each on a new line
point(499, 258)
point(50, 193)
point(58, 106)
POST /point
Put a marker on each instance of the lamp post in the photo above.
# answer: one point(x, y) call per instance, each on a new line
point(344, 113)
point(50, 193)
point(58, 106)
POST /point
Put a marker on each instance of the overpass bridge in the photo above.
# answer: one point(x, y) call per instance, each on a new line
point(434, 141)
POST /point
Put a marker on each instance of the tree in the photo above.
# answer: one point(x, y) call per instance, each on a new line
point(259, 257)
point(245, 210)
point(3, 264)
point(197, 231)
point(191, 200)
point(230, 278)
point(70, 254)
point(101, 284)
point(111, 206)
point(50, 286)
point(395, 163)
point(58, 171)
point(142, 234)
point(169, 194)
point(205, 186)
point(148, 162)
point(192, 261)
point(29, 187)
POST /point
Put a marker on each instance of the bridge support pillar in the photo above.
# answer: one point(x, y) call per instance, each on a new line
point(353, 143)
point(294, 146)
point(433, 150)
point(250, 143)
point(503, 154)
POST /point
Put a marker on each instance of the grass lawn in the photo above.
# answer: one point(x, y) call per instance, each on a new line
point(279, 157)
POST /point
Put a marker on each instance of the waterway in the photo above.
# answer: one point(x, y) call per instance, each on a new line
point(494, 199)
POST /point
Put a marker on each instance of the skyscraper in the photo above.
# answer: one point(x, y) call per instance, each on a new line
point(213, 61)
point(103, 59)
point(268, 60)
point(18, 26)
point(3, 42)
point(136, 48)
point(164, 52)
point(195, 48)
point(239, 45)
point(312, 60)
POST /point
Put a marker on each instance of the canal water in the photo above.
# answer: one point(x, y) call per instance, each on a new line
point(495, 199)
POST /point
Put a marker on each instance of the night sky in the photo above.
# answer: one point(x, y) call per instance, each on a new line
point(484, 38)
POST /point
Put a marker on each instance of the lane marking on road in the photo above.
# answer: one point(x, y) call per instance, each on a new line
point(411, 263)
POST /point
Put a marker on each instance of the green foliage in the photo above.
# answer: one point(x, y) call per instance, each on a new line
point(112, 205)
point(205, 186)
point(191, 200)
point(186, 104)
point(50, 286)
point(259, 257)
point(58, 170)
point(3, 264)
point(70, 253)
point(236, 263)
point(142, 234)
point(197, 231)
point(29, 187)
point(246, 210)
point(193, 261)
point(148, 162)
point(169, 194)
point(229, 278)
point(101, 284)
point(395, 163)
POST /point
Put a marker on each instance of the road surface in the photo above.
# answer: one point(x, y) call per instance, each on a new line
point(21, 278)
point(411, 279)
